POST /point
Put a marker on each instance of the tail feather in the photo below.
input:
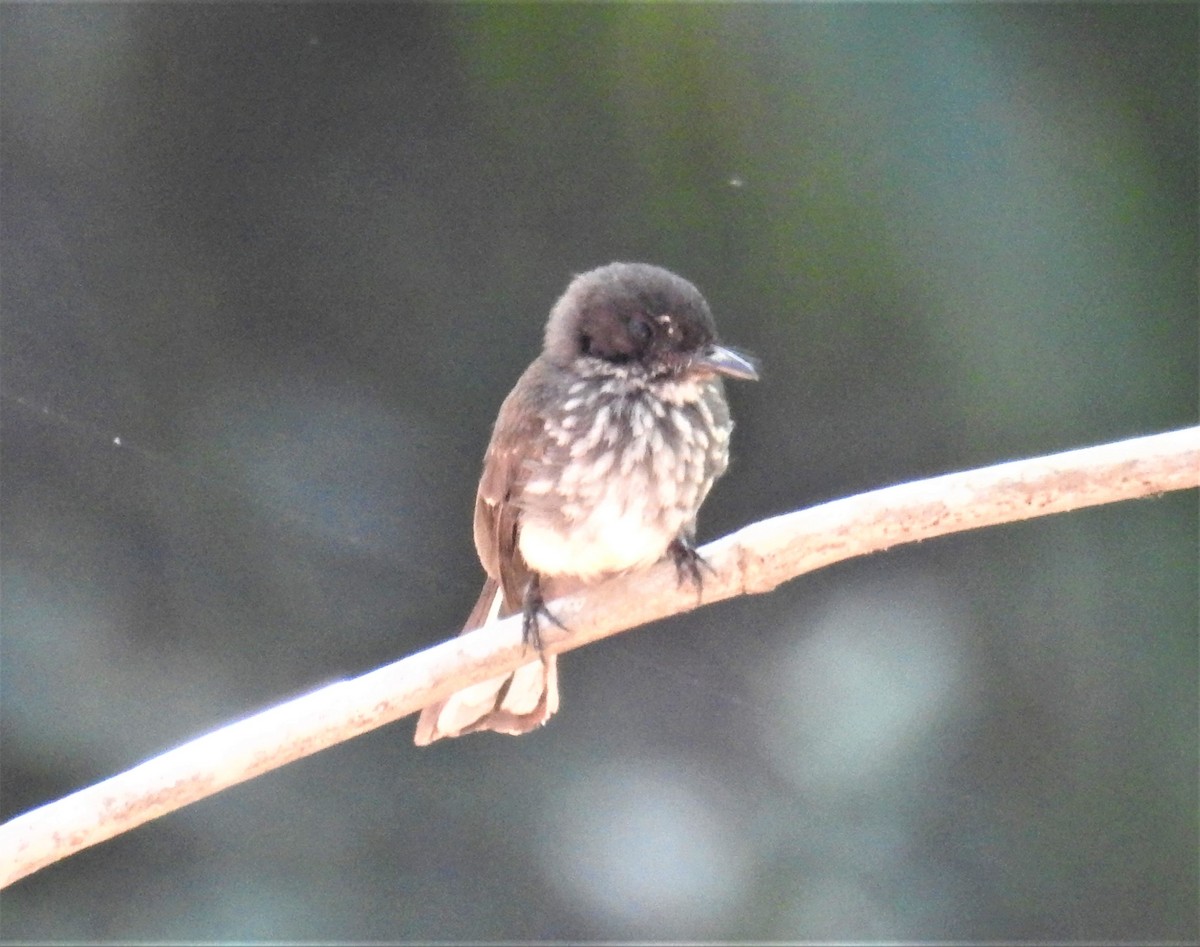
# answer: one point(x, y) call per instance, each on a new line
point(512, 703)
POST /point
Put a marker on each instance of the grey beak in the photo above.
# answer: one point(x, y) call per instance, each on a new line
point(727, 362)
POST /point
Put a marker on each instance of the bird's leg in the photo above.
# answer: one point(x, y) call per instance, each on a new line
point(688, 562)
point(533, 606)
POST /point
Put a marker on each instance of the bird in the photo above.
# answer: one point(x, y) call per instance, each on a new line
point(598, 463)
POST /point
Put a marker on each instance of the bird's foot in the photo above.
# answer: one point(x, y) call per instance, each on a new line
point(533, 608)
point(688, 562)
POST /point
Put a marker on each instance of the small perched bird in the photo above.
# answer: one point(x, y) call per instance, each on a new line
point(598, 463)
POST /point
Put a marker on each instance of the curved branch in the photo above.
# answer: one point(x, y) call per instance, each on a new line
point(755, 559)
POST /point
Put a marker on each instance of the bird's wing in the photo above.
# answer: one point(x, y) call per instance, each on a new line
point(518, 431)
point(526, 698)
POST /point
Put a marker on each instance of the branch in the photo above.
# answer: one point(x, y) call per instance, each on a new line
point(755, 559)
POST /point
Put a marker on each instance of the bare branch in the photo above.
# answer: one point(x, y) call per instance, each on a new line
point(754, 559)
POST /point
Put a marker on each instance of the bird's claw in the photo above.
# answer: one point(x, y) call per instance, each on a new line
point(534, 606)
point(688, 562)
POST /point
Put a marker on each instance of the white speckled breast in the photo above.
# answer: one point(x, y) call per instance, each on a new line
point(612, 495)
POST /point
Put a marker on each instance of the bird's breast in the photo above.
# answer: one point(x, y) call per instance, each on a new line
point(619, 475)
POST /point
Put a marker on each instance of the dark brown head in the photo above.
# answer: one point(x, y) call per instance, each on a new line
point(641, 318)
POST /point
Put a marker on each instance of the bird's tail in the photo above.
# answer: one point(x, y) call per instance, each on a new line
point(512, 703)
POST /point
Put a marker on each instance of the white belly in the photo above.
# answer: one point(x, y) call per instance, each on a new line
point(612, 537)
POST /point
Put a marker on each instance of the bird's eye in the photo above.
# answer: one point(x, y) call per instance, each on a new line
point(640, 330)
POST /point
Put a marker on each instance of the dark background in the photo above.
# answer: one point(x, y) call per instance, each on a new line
point(293, 257)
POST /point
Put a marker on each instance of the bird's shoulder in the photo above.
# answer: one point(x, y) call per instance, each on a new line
point(519, 427)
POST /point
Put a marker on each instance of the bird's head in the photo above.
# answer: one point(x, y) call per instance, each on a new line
point(639, 319)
